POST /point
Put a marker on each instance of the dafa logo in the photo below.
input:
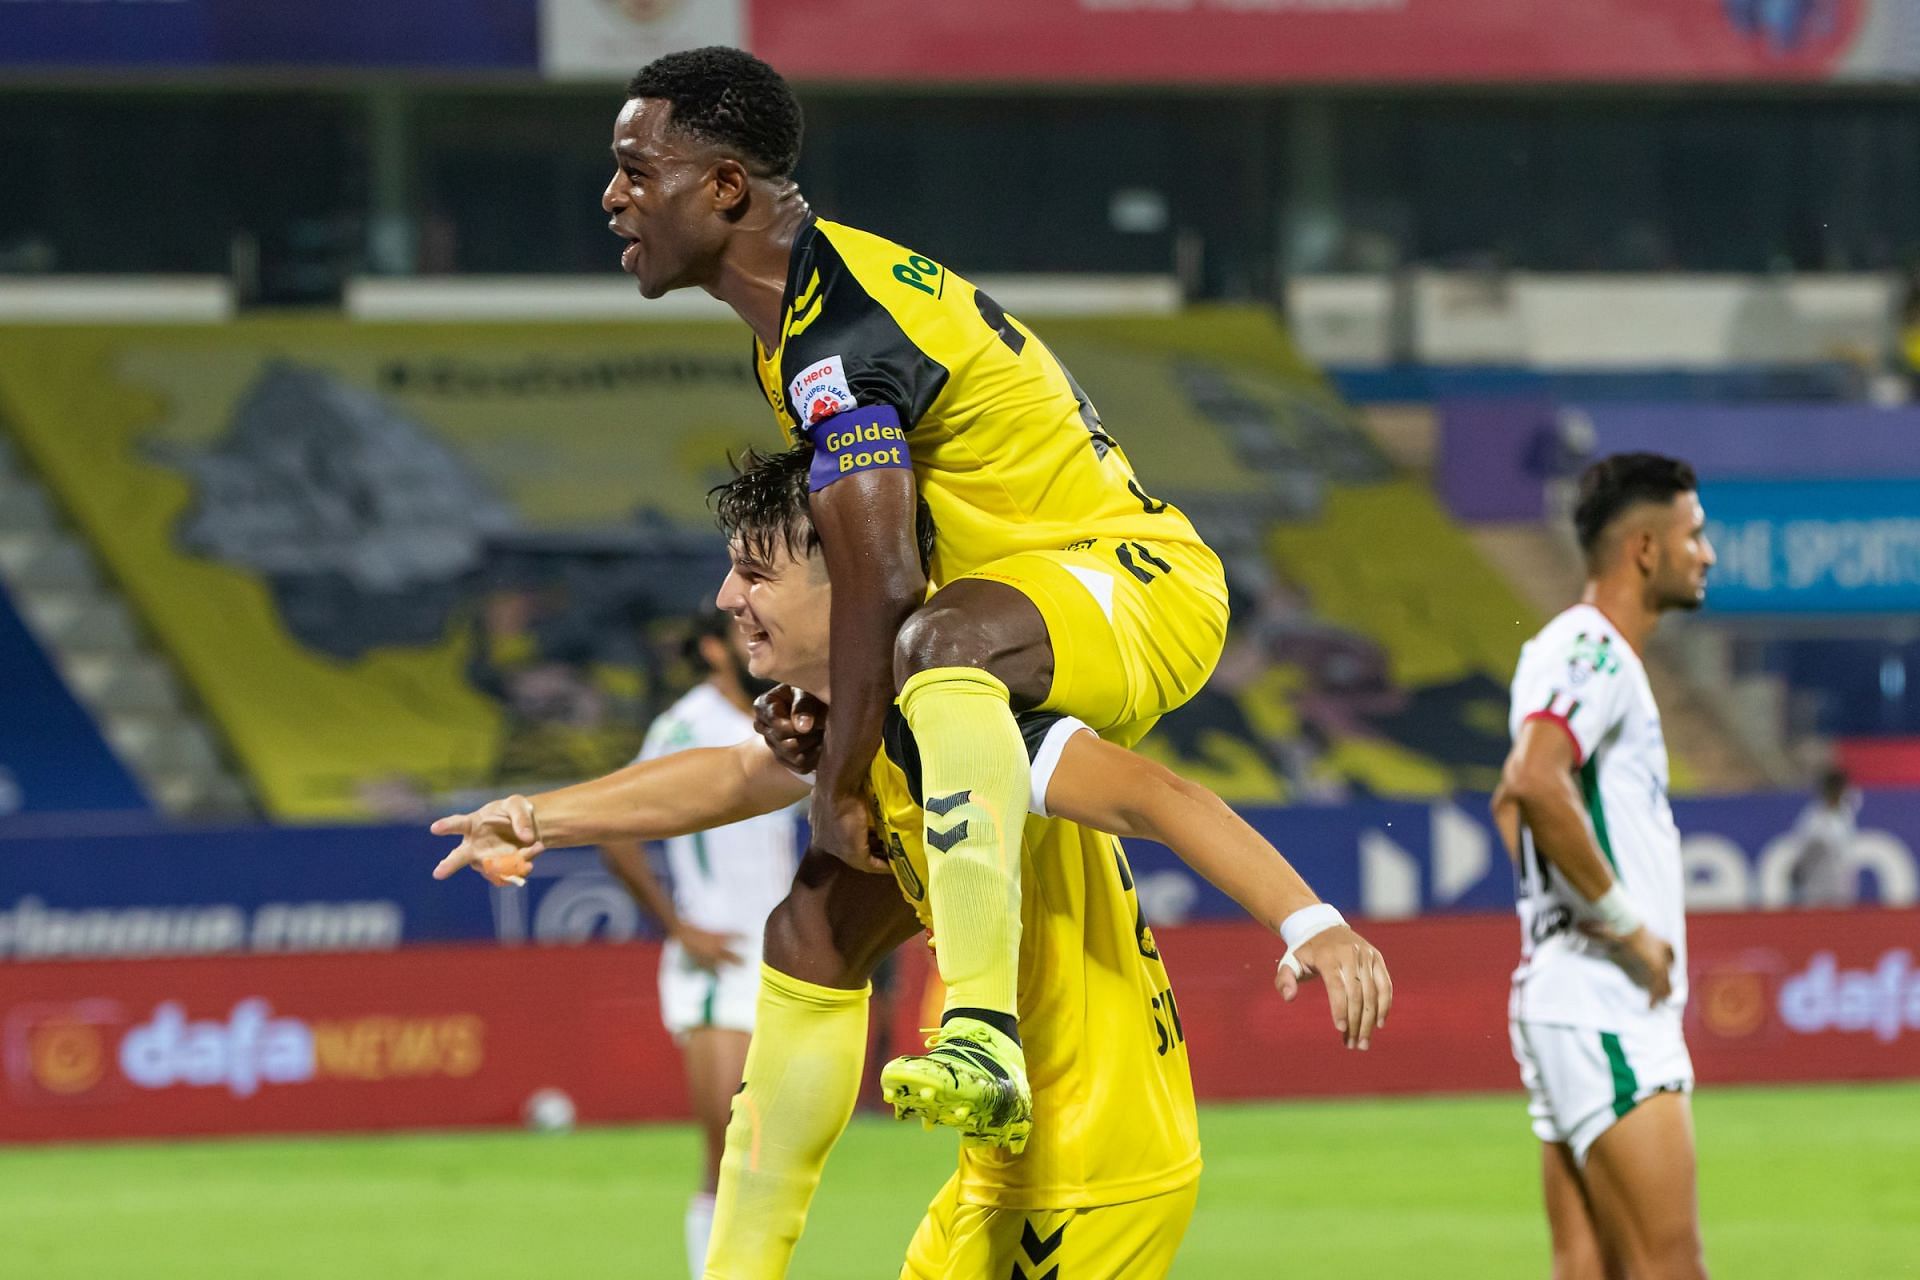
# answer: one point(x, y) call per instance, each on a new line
point(1883, 1001)
point(251, 1048)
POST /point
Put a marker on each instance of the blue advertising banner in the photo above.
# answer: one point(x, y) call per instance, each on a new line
point(52, 756)
point(148, 890)
point(1828, 546)
point(121, 34)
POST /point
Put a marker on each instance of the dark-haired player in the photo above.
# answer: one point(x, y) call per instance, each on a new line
point(1057, 583)
point(1582, 807)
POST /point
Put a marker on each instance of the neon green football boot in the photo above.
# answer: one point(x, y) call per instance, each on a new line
point(972, 1078)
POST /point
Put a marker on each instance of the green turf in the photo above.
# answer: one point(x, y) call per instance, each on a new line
point(1794, 1183)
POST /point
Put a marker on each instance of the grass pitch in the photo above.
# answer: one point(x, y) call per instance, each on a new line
point(1794, 1182)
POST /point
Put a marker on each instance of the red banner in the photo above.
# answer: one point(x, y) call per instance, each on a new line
point(418, 1038)
point(1777, 996)
point(459, 1036)
point(1267, 41)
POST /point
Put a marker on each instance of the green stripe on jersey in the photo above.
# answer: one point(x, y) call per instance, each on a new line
point(700, 854)
point(1590, 788)
point(1625, 1083)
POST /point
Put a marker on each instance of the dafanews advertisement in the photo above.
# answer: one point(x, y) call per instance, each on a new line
point(436, 1037)
point(425, 1038)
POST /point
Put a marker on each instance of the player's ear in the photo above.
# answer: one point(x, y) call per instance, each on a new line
point(1646, 548)
point(728, 181)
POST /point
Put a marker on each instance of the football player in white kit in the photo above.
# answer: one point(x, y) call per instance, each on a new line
point(725, 883)
point(1582, 807)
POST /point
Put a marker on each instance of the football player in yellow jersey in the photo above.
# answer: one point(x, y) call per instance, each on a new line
point(1057, 582)
point(1107, 1184)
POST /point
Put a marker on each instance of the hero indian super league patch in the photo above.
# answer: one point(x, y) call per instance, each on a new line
point(819, 391)
point(862, 440)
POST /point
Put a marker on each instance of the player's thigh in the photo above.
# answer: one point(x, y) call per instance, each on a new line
point(1582, 1081)
point(1134, 628)
point(1578, 1251)
point(1132, 1241)
point(836, 923)
point(1640, 1175)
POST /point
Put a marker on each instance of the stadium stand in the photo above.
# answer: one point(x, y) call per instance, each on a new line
point(438, 554)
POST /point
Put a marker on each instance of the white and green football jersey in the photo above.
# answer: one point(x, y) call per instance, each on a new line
point(1581, 674)
point(731, 878)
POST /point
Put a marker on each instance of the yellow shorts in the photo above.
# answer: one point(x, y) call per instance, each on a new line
point(1136, 626)
point(1133, 1241)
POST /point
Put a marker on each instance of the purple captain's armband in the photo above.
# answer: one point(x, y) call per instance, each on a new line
point(864, 439)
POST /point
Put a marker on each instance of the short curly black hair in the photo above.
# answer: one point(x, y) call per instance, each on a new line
point(768, 505)
point(1613, 484)
point(730, 97)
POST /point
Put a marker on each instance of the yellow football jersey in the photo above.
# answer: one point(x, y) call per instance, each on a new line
point(1113, 1113)
point(1007, 449)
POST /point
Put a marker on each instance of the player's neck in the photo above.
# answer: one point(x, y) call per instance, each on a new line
point(1625, 605)
point(752, 275)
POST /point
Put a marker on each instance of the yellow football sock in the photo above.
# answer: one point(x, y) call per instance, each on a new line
point(802, 1075)
point(973, 782)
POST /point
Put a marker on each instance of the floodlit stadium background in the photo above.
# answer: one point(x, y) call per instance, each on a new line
point(344, 481)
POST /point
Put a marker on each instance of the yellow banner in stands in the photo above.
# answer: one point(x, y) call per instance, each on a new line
point(320, 520)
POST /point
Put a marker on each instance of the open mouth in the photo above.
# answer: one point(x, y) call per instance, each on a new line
point(629, 255)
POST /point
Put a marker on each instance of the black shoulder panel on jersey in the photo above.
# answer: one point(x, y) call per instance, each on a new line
point(883, 365)
point(897, 740)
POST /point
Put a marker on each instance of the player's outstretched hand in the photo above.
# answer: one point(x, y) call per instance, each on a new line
point(708, 950)
point(1358, 986)
point(794, 723)
point(500, 840)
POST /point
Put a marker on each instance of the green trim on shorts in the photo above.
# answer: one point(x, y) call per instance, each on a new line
point(1625, 1083)
point(706, 1010)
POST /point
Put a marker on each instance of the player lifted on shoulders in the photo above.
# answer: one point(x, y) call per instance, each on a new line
point(1056, 584)
point(1582, 807)
point(1107, 1185)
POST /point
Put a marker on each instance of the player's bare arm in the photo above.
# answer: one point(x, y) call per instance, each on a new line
point(866, 527)
point(627, 861)
point(653, 800)
point(1537, 791)
point(1108, 788)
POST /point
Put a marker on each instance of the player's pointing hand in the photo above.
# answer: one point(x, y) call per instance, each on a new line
point(1359, 990)
point(499, 840)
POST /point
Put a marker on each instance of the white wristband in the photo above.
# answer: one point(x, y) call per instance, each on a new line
point(1308, 922)
point(1616, 911)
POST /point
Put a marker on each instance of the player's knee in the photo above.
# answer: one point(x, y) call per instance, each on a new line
point(799, 943)
point(939, 636)
point(1675, 1254)
point(1578, 1253)
point(1581, 1260)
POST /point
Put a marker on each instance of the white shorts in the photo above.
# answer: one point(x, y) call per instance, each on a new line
point(1580, 1080)
point(692, 997)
